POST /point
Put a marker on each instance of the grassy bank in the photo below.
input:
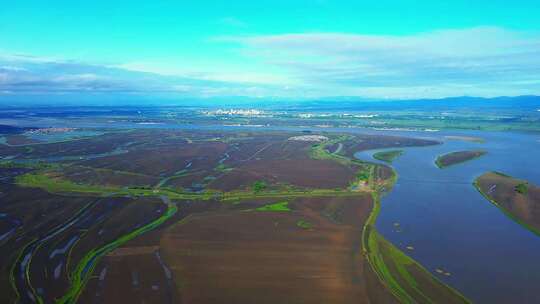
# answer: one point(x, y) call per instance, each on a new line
point(60, 186)
point(407, 280)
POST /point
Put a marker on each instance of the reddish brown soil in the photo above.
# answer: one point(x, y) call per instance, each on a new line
point(95, 145)
point(307, 173)
point(106, 143)
point(139, 257)
point(383, 173)
point(222, 254)
point(236, 179)
point(284, 149)
point(19, 139)
point(264, 257)
point(129, 215)
point(135, 277)
point(262, 145)
point(164, 161)
point(188, 180)
point(87, 175)
point(38, 212)
point(280, 161)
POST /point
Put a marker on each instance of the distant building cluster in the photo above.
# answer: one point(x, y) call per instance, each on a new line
point(342, 115)
point(235, 112)
point(50, 130)
point(310, 138)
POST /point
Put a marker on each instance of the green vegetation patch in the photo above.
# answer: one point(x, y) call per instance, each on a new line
point(56, 185)
point(363, 175)
point(275, 207)
point(53, 185)
point(259, 186)
point(365, 171)
point(320, 151)
point(388, 156)
point(304, 224)
point(223, 168)
point(522, 188)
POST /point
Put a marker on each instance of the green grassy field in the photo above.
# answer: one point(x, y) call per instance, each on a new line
point(304, 224)
point(275, 207)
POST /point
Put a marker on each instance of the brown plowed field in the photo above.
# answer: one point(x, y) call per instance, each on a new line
point(92, 176)
point(164, 161)
point(19, 139)
point(137, 277)
point(307, 173)
point(265, 257)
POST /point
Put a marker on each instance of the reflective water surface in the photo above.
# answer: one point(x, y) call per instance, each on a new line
point(453, 228)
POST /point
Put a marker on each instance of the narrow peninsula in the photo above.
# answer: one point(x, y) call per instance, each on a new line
point(517, 198)
point(388, 156)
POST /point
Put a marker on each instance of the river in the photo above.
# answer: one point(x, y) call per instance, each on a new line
point(452, 227)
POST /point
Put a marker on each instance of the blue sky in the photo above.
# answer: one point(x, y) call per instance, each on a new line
point(288, 49)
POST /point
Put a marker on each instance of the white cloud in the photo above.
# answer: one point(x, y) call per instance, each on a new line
point(227, 73)
point(60, 76)
point(485, 61)
point(480, 61)
point(11, 68)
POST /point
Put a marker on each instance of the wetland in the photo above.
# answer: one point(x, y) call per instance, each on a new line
point(198, 214)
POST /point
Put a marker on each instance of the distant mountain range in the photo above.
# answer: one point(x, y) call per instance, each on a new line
point(343, 103)
point(329, 103)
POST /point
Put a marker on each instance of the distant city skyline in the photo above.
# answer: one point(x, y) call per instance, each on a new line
point(271, 49)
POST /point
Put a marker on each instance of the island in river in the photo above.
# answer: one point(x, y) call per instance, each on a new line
point(516, 198)
point(458, 157)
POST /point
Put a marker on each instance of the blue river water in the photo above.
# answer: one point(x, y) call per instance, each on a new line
point(452, 227)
